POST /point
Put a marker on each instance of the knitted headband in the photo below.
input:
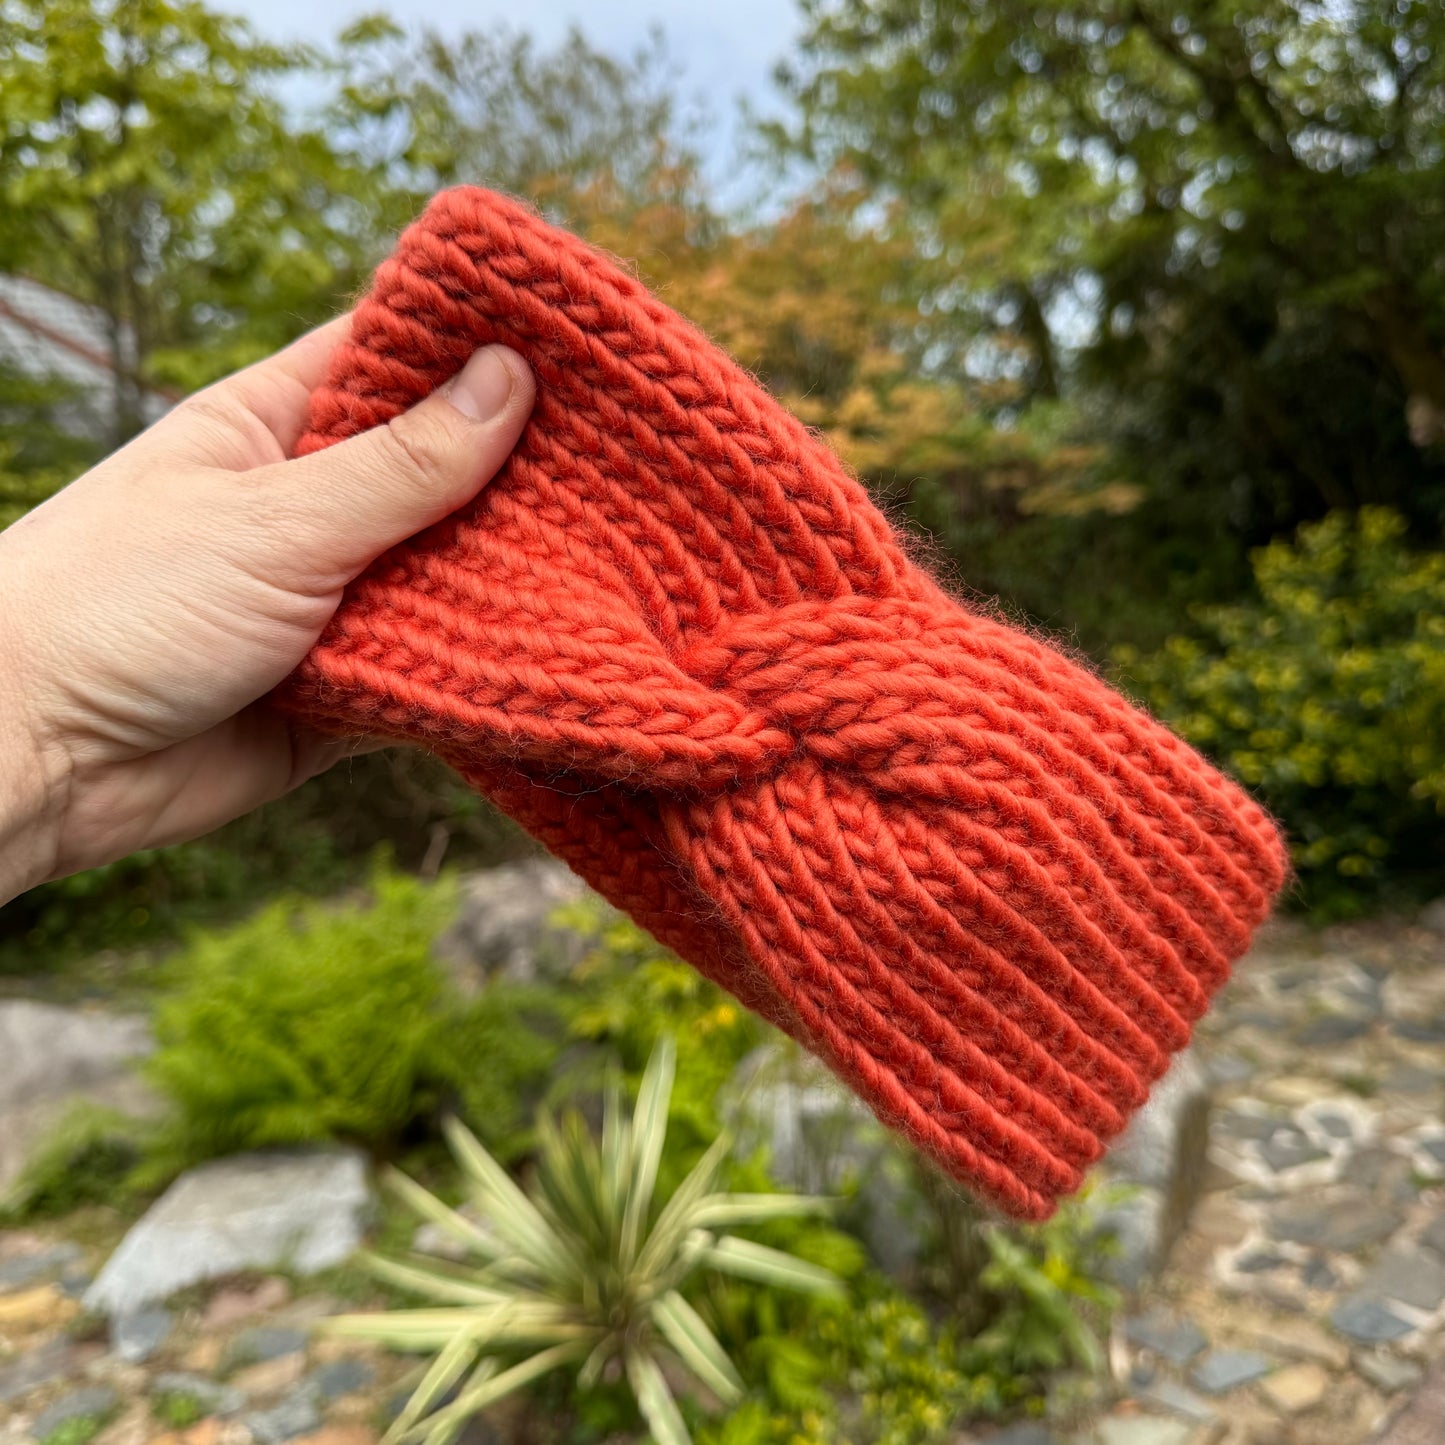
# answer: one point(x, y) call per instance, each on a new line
point(676, 641)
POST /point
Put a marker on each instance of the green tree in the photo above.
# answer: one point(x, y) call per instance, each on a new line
point(147, 167)
point(1213, 228)
point(575, 129)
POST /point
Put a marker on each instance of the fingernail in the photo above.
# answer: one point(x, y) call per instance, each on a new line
point(480, 390)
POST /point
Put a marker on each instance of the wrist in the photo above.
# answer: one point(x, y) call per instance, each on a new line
point(32, 789)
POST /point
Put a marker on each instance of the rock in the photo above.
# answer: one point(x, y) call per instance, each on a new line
point(271, 1377)
point(1139, 1430)
point(1388, 1373)
point(1317, 1274)
point(1367, 1321)
point(51, 1361)
point(137, 1336)
point(230, 1306)
point(1344, 1224)
point(1434, 1235)
point(1432, 916)
point(298, 1414)
point(1332, 1029)
point(55, 1058)
point(1166, 1147)
point(1229, 1069)
point(1419, 1422)
point(304, 1210)
point(1136, 1224)
point(1218, 1219)
point(822, 1140)
point(341, 1434)
point(209, 1396)
point(1178, 1400)
point(1411, 1079)
point(1409, 1275)
point(1259, 1261)
point(93, 1402)
point(44, 1307)
point(1420, 1031)
point(1175, 1337)
point(262, 1343)
point(1288, 1149)
point(340, 1377)
point(24, 1269)
point(1297, 1339)
point(1223, 1370)
point(503, 926)
point(1028, 1432)
point(1296, 1388)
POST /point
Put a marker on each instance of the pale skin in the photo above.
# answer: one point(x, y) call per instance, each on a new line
point(148, 609)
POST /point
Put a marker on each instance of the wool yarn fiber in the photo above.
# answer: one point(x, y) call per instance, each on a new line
point(678, 643)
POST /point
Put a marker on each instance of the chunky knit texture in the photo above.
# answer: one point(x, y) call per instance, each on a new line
point(677, 642)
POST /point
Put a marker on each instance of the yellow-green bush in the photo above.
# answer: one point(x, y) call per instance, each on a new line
point(1327, 698)
point(311, 1022)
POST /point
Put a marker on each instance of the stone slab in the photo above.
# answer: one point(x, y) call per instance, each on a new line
point(303, 1211)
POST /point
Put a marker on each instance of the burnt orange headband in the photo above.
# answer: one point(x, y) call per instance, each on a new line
point(676, 641)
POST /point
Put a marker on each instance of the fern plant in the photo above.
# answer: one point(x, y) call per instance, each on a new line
point(582, 1272)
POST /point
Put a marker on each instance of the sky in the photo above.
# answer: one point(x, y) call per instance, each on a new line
point(724, 51)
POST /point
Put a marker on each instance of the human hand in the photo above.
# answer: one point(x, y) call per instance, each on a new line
point(148, 608)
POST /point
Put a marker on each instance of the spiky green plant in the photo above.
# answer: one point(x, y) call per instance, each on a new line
point(584, 1271)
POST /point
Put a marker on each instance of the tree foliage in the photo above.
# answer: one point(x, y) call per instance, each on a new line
point(148, 168)
point(1212, 227)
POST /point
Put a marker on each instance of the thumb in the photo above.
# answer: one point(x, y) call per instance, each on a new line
point(348, 503)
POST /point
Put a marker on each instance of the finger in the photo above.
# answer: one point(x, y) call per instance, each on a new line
point(255, 416)
point(328, 514)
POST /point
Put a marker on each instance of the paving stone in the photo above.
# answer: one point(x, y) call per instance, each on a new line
point(1435, 1148)
point(1411, 1079)
point(262, 1343)
point(27, 1372)
point(1223, 1370)
point(1343, 1225)
point(1230, 1069)
point(1337, 1126)
point(1178, 1400)
point(93, 1401)
point(1316, 1273)
point(1140, 1430)
point(1175, 1337)
point(44, 1306)
point(137, 1336)
point(340, 1377)
point(1332, 1029)
point(1296, 1388)
point(1434, 1235)
point(1420, 1031)
point(298, 1414)
point(26, 1269)
point(1388, 1373)
point(210, 1396)
point(1240, 1124)
point(1026, 1433)
point(271, 1377)
point(1367, 1321)
point(1259, 1261)
point(1297, 1339)
point(1408, 1274)
point(1290, 1149)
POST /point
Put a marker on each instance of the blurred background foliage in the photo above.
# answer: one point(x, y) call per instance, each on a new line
point(1135, 308)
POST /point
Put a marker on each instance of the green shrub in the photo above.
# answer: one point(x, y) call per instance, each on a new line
point(86, 1158)
point(311, 1022)
point(1327, 697)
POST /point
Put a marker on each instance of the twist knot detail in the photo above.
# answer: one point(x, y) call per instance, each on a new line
point(675, 639)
